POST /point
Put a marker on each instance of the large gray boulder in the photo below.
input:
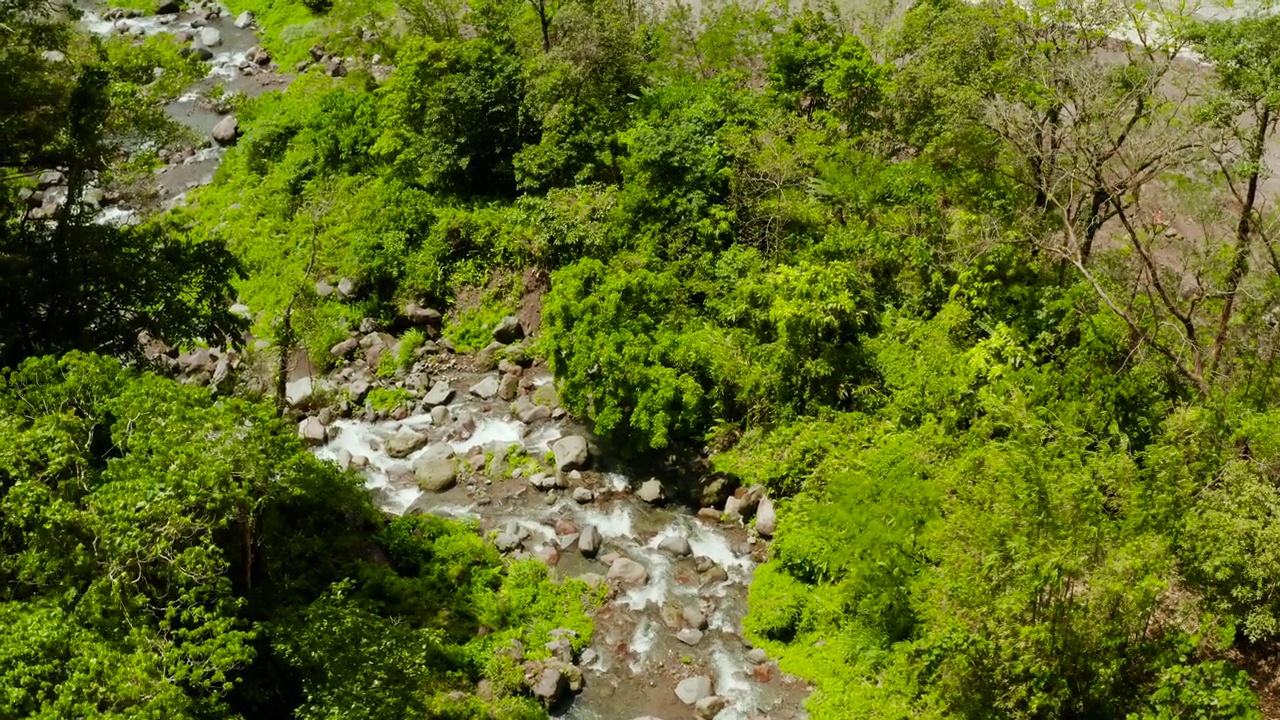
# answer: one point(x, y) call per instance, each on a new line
point(312, 431)
point(440, 394)
point(527, 412)
point(436, 474)
point(650, 490)
point(227, 130)
point(766, 518)
point(344, 348)
point(405, 442)
point(589, 541)
point(691, 690)
point(244, 20)
point(508, 330)
point(419, 315)
point(550, 686)
point(486, 389)
point(571, 453)
point(676, 545)
point(689, 636)
point(627, 572)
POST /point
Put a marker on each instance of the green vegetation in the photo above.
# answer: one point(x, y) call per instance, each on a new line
point(388, 399)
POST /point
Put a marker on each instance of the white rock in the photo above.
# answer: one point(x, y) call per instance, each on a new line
point(691, 690)
point(571, 453)
point(766, 518)
point(210, 37)
point(312, 431)
point(244, 20)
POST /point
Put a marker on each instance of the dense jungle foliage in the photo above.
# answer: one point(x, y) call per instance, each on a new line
point(982, 295)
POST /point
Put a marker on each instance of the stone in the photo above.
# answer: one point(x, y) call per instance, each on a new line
point(583, 495)
point(53, 56)
point(508, 387)
point(204, 53)
point(757, 656)
point(316, 51)
point(608, 559)
point(312, 431)
point(344, 348)
point(589, 656)
point(227, 131)
point(691, 690)
point(439, 394)
point(419, 315)
point(625, 571)
point(694, 618)
point(405, 442)
point(508, 330)
point(550, 686)
point(561, 649)
point(766, 518)
point(650, 490)
point(715, 574)
point(689, 636)
point(527, 412)
point(543, 481)
point(506, 541)
point(589, 541)
point(565, 527)
point(440, 416)
point(346, 288)
point(335, 67)
point(298, 392)
point(716, 489)
point(547, 555)
point(358, 391)
point(344, 459)
point(486, 389)
point(676, 545)
point(733, 508)
point(708, 707)
point(436, 474)
point(709, 514)
point(168, 7)
point(244, 20)
point(210, 37)
point(571, 453)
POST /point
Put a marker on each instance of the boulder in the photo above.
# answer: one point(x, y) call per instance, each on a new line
point(757, 656)
point(508, 387)
point(716, 574)
point(204, 53)
point(335, 68)
point(436, 474)
point(344, 348)
point(691, 690)
point(733, 508)
point(527, 412)
point(486, 389)
point(312, 431)
point(346, 288)
point(543, 481)
point(244, 20)
point(766, 518)
point(358, 391)
point(571, 453)
point(650, 490)
point(507, 541)
point(583, 495)
point(440, 416)
point(419, 315)
point(716, 489)
point(508, 330)
point(709, 707)
point(689, 636)
point(676, 545)
point(550, 686)
point(561, 649)
point(226, 131)
point(210, 37)
point(298, 392)
point(694, 617)
point(405, 442)
point(440, 394)
point(625, 571)
point(589, 541)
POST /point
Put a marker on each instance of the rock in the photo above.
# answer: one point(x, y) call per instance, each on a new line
point(709, 514)
point(561, 649)
point(204, 53)
point(733, 508)
point(298, 392)
point(715, 574)
point(626, 571)
point(508, 387)
point(358, 391)
point(344, 460)
point(550, 686)
point(487, 358)
point(168, 7)
point(53, 56)
point(419, 315)
point(440, 416)
point(589, 656)
point(527, 412)
point(508, 330)
point(691, 690)
point(583, 495)
point(650, 490)
point(571, 453)
point(313, 432)
point(486, 389)
point(506, 541)
point(244, 20)
point(766, 518)
point(708, 707)
point(716, 489)
point(346, 288)
point(565, 527)
point(335, 68)
point(547, 555)
point(436, 474)
point(210, 37)
point(694, 618)
point(589, 541)
point(344, 348)
point(543, 481)
point(226, 131)
point(547, 395)
point(316, 51)
point(757, 656)
point(405, 442)
point(676, 545)
point(439, 394)
point(608, 559)
point(689, 636)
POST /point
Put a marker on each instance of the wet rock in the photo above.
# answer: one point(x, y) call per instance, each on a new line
point(709, 514)
point(244, 20)
point(583, 495)
point(716, 574)
point(689, 636)
point(227, 130)
point(608, 559)
point(419, 315)
point(589, 541)
point(439, 394)
point(440, 416)
point(508, 330)
point(589, 656)
point(694, 618)
point(436, 474)
point(543, 481)
point(313, 432)
point(359, 461)
point(626, 572)
point(766, 518)
point(708, 707)
point(298, 392)
point(344, 348)
point(757, 656)
point(486, 389)
point(508, 387)
point(565, 527)
point(564, 542)
point(210, 37)
point(676, 545)
point(571, 453)
point(733, 508)
point(344, 460)
point(691, 690)
point(561, 649)
point(550, 686)
point(405, 442)
point(650, 490)
point(527, 412)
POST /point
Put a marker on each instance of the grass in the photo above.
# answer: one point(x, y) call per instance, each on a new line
point(388, 399)
point(288, 28)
